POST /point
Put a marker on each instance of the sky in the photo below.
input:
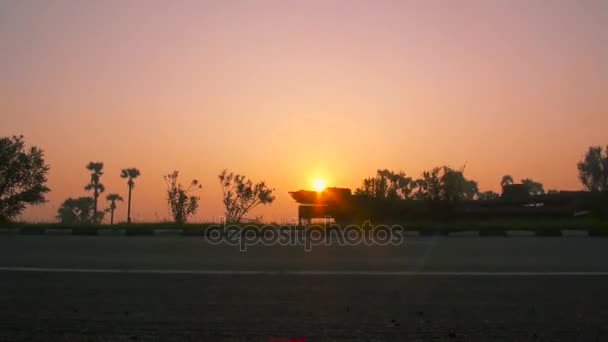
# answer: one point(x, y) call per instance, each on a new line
point(287, 91)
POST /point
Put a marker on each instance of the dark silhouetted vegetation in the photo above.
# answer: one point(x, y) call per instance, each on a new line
point(488, 196)
point(444, 184)
point(506, 180)
point(450, 224)
point(241, 195)
point(95, 185)
point(440, 193)
point(77, 211)
point(387, 185)
point(130, 174)
point(112, 198)
point(593, 169)
point(446, 194)
point(182, 203)
point(23, 177)
point(436, 185)
point(533, 187)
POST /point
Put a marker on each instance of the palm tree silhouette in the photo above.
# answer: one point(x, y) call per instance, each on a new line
point(130, 174)
point(95, 184)
point(113, 198)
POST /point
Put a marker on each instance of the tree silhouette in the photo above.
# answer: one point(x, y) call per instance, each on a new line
point(77, 210)
point(456, 187)
point(95, 184)
point(112, 198)
point(445, 184)
point(533, 188)
point(241, 195)
point(470, 189)
point(373, 187)
point(506, 180)
point(22, 177)
point(593, 169)
point(130, 174)
point(429, 186)
point(387, 185)
point(181, 203)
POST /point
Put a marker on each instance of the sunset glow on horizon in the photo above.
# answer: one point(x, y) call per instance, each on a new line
point(287, 91)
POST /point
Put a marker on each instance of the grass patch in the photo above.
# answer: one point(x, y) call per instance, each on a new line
point(510, 224)
point(488, 225)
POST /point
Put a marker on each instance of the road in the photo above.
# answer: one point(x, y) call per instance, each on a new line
point(181, 288)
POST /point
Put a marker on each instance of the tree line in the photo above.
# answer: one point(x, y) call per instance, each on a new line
point(23, 178)
point(440, 184)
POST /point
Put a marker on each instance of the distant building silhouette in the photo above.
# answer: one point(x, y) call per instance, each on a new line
point(330, 203)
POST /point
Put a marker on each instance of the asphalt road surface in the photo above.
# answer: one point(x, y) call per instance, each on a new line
point(181, 288)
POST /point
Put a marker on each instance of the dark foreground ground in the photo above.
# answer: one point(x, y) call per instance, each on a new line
point(176, 288)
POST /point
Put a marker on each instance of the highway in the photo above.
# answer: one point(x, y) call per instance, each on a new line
point(104, 288)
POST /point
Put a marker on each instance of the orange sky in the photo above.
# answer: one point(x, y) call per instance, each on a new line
point(290, 90)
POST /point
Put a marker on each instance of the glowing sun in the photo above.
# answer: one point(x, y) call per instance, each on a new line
point(318, 184)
